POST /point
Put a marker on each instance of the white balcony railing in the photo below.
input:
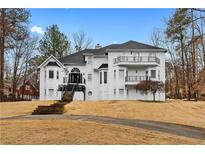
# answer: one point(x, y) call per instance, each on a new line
point(137, 59)
point(136, 78)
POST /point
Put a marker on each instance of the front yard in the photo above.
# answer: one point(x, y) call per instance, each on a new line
point(68, 131)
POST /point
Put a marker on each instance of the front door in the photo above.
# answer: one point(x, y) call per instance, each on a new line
point(76, 78)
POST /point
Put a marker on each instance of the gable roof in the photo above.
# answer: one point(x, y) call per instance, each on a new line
point(103, 66)
point(57, 61)
point(52, 63)
point(77, 58)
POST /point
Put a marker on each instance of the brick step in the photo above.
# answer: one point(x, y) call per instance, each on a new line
point(56, 108)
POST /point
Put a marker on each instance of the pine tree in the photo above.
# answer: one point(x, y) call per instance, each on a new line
point(54, 43)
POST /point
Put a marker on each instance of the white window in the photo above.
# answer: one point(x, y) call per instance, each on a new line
point(57, 75)
point(89, 60)
point(121, 91)
point(100, 77)
point(65, 79)
point(45, 75)
point(50, 92)
point(137, 54)
point(153, 73)
point(121, 74)
point(51, 74)
point(158, 74)
point(89, 77)
point(27, 87)
point(152, 54)
point(114, 91)
point(90, 93)
point(114, 74)
point(105, 77)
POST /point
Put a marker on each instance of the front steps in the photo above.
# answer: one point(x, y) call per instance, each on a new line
point(56, 108)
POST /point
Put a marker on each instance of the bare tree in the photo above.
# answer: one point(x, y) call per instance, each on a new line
point(159, 39)
point(156, 37)
point(11, 21)
point(30, 46)
point(81, 41)
point(22, 50)
point(150, 86)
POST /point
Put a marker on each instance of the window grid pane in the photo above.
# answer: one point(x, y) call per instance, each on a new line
point(153, 73)
point(100, 77)
point(105, 77)
point(50, 74)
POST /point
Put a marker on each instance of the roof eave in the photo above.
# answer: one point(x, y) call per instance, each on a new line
point(149, 50)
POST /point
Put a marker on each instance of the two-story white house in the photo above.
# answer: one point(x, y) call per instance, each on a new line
point(105, 73)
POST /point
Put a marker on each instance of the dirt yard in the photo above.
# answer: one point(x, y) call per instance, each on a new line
point(68, 131)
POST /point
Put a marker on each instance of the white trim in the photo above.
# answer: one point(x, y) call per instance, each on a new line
point(138, 50)
point(45, 61)
point(87, 54)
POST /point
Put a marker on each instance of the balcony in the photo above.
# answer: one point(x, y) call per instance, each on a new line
point(132, 80)
point(137, 60)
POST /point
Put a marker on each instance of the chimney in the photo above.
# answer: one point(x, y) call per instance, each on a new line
point(98, 46)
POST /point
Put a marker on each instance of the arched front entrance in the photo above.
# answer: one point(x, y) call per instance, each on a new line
point(75, 76)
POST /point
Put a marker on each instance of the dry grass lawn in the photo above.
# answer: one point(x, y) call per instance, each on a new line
point(77, 132)
point(9, 109)
point(174, 111)
point(81, 132)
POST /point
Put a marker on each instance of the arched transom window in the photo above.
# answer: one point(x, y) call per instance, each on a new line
point(75, 70)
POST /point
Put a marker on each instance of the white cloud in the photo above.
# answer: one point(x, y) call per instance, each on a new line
point(114, 42)
point(37, 29)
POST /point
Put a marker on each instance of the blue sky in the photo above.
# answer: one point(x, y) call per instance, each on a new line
point(104, 26)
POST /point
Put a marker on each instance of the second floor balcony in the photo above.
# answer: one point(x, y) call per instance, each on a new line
point(137, 60)
point(132, 80)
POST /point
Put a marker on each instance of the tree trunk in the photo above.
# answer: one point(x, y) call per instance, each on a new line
point(202, 41)
point(25, 76)
point(2, 66)
point(183, 69)
point(14, 81)
point(177, 91)
point(188, 82)
point(14, 85)
point(2, 43)
point(193, 52)
point(154, 96)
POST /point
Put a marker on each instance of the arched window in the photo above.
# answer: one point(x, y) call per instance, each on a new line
point(75, 76)
point(75, 70)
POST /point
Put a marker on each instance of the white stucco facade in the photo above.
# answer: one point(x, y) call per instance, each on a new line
point(109, 76)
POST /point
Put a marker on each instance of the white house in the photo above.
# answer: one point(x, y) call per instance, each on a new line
point(107, 73)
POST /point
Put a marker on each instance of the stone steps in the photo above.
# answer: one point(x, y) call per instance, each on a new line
point(56, 108)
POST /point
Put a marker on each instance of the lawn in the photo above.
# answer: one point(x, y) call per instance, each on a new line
point(63, 131)
point(174, 111)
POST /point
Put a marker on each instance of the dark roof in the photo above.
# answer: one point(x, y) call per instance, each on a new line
point(78, 56)
point(103, 66)
point(52, 64)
